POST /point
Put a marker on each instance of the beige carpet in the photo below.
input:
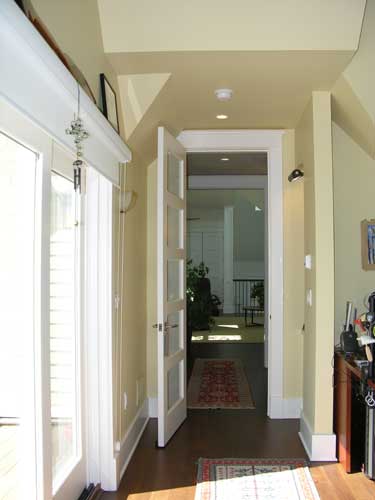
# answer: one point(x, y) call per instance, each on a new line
point(231, 330)
point(255, 479)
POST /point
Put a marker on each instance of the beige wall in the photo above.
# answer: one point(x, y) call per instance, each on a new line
point(293, 276)
point(132, 328)
point(294, 314)
point(354, 168)
point(151, 281)
point(353, 101)
point(76, 28)
point(314, 151)
point(75, 25)
point(354, 173)
point(360, 72)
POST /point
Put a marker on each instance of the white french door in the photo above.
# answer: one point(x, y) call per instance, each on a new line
point(65, 331)
point(41, 410)
point(171, 255)
point(18, 176)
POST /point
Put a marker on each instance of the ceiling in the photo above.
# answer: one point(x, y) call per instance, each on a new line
point(270, 90)
point(144, 26)
point(236, 164)
point(272, 54)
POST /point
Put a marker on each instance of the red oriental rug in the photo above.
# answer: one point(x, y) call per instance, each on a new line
point(219, 383)
point(254, 479)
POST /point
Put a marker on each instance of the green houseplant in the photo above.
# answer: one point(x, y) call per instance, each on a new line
point(201, 304)
point(257, 292)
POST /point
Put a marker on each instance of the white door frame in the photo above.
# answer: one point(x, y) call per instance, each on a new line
point(101, 454)
point(269, 141)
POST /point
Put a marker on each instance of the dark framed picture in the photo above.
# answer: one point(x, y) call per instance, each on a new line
point(109, 102)
point(368, 244)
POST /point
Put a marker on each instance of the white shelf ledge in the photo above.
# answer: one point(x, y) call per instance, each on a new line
point(36, 82)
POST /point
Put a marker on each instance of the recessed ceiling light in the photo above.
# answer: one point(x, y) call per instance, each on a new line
point(224, 94)
point(224, 159)
point(221, 117)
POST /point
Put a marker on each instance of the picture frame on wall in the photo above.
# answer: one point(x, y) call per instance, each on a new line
point(109, 102)
point(368, 244)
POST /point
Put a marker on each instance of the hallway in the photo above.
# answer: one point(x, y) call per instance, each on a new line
point(170, 473)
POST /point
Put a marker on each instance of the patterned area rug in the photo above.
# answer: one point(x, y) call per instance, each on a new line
point(219, 383)
point(231, 330)
point(254, 479)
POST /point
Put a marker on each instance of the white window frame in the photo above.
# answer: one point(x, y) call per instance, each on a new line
point(102, 464)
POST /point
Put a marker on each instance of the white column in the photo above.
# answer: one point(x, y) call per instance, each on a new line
point(228, 260)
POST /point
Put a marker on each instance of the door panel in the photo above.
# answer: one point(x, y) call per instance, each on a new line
point(66, 382)
point(18, 176)
point(171, 327)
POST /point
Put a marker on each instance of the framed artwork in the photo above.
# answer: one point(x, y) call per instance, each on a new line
point(109, 102)
point(368, 244)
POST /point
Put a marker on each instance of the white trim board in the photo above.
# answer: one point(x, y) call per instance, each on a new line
point(49, 97)
point(99, 343)
point(126, 448)
point(319, 447)
point(287, 407)
point(269, 141)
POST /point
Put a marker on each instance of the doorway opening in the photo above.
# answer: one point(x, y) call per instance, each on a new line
point(171, 293)
point(227, 249)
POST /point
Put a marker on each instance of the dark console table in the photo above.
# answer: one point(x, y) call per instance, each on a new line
point(349, 414)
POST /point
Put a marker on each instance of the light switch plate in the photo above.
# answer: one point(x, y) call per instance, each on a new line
point(308, 261)
point(309, 297)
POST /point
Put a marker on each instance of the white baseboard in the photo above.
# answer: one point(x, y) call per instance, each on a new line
point(285, 408)
point(292, 407)
point(153, 407)
point(319, 447)
point(129, 442)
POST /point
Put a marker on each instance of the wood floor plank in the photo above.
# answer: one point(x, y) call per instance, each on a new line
point(170, 473)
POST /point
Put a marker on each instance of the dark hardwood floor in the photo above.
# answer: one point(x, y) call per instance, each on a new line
point(170, 473)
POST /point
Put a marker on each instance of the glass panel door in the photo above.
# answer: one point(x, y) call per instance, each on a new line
point(171, 286)
point(64, 331)
point(65, 304)
point(17, 221)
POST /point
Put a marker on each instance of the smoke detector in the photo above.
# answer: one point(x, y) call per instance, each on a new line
point(224, 94)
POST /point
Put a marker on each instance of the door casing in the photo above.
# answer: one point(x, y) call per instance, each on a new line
point(269, 141)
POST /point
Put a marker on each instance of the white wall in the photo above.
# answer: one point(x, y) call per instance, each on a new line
point(244, 269)
point(248, 238)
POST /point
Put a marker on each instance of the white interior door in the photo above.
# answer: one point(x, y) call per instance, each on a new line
point(171, 255)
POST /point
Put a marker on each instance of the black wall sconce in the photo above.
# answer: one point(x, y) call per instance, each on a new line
point(296, 174)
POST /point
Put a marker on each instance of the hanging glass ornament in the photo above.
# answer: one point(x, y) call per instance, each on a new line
point(79, 133)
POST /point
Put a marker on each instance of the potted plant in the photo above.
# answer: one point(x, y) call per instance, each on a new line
point(201, 304)
point(257, 292)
